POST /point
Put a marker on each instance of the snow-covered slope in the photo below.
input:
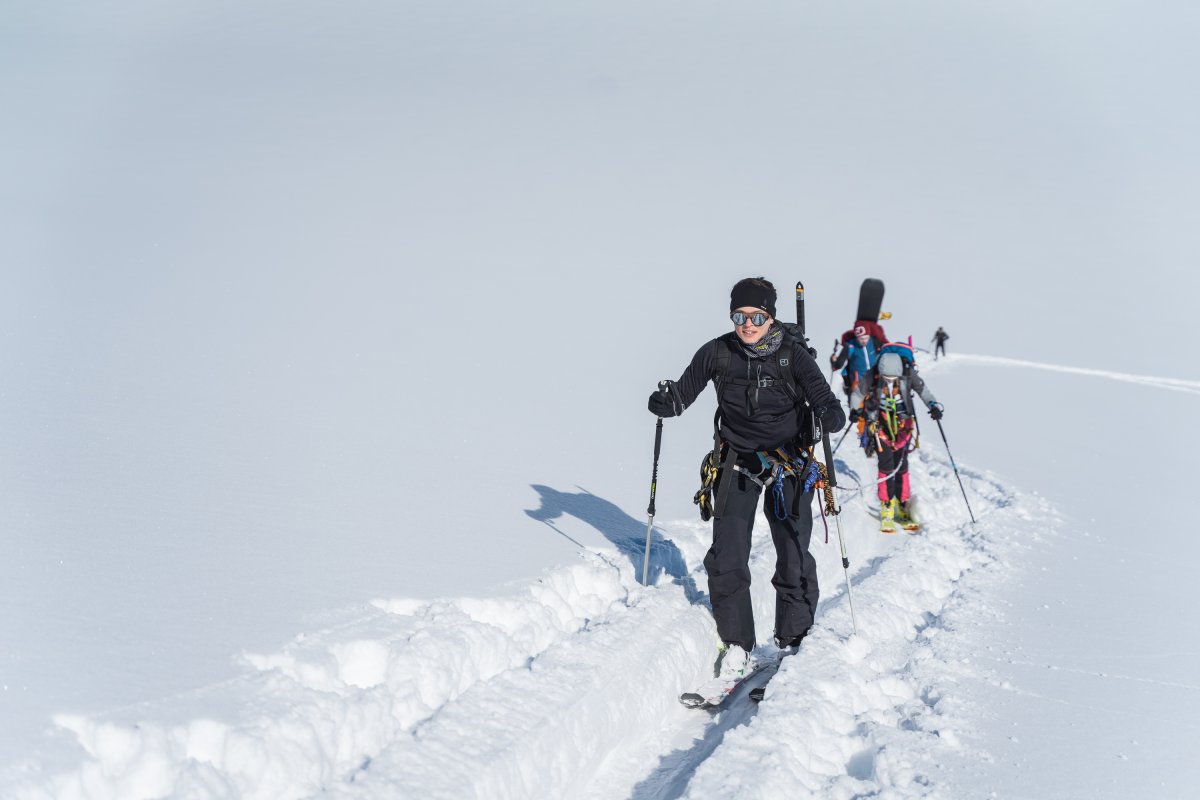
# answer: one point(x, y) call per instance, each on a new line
point(304, 304)
point(567, 687)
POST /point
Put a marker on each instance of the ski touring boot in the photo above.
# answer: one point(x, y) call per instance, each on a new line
point(887, 516)
point(734, 665)
point(906, 516)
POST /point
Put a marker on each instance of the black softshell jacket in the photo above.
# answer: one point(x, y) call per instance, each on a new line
point(761, 416)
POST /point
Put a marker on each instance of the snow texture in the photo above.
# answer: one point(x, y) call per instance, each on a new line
point(571, 684)
point(325, 337)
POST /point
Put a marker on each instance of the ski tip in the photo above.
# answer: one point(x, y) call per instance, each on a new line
point(692, 700)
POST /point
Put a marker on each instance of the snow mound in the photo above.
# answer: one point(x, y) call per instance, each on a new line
point(569, 686)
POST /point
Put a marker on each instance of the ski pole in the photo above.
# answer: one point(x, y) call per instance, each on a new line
point(831, 476)
point(800, 306)
point(960, 483)
point(840, 438)
point(832, 361)
point(653, 486)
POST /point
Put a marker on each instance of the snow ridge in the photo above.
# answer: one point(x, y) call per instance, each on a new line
point(569, 686)
point(1174, 384)
point(315, 712)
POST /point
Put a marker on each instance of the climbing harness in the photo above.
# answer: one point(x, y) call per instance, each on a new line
point(779, 464)
point(776, 466)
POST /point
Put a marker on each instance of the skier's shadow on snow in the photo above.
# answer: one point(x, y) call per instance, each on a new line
point(627, 534)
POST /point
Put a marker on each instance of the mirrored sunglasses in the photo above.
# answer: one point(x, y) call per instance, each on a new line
point(757, 318)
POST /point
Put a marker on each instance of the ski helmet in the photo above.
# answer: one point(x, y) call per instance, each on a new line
point(891, 365)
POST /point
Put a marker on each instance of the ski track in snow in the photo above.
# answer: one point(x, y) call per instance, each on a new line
point(568, 687)
point(1174, 384)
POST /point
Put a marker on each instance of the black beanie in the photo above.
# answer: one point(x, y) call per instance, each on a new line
point(753, 293)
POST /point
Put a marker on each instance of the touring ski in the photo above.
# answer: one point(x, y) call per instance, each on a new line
point(713, 693)
point(759, 692)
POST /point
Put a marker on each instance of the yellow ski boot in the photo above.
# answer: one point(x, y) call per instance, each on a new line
point(887, 516)
point(906, 517)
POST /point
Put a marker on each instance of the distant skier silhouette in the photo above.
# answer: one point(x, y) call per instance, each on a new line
point(940, 339)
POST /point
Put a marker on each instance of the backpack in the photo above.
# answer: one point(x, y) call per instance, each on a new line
point(904, 353)
point(900, 350)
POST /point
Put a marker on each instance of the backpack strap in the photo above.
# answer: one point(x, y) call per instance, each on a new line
point(787, 363)
point(720, 369)
point(726, 473)
point(786, 358)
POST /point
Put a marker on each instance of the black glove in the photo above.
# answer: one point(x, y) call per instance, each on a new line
point(831, 416)
point(856, 414)
point(665, 402)
point(935, 411)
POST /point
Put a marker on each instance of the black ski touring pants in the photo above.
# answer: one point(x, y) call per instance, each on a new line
point(728, 564)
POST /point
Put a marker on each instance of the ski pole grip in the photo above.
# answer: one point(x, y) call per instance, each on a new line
point(829, 468)
point(667, 388)
point(654, 474)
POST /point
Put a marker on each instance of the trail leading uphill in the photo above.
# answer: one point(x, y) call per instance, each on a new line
point(569, 687)
point(1174, 384)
